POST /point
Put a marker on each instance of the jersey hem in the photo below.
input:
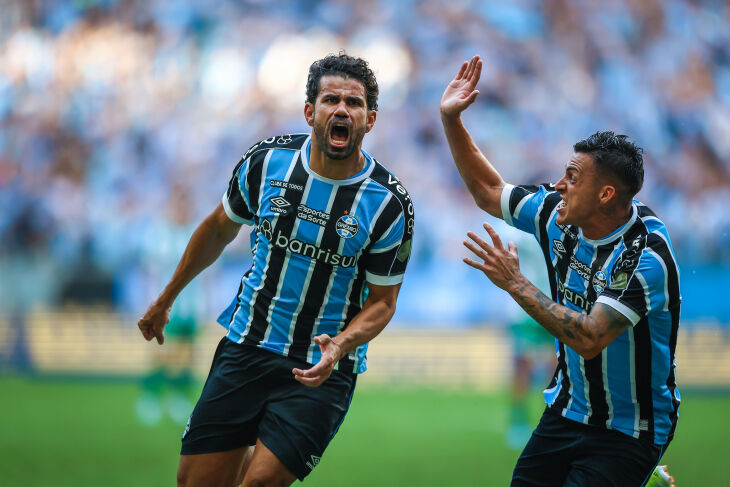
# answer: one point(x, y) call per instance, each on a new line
point(629, 313)
point(383, 280)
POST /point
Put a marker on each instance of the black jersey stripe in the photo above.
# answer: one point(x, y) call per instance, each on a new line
point(347, 364)
point(642, 361)
point(321, 275)
point(254, 179)
point(635, 242)
point(660, 246)
point(277, 259)
point(558, 273)
point(594, 368)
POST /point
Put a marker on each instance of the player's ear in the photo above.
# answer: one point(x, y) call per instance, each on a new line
point(372, 115)
point(309, 113)
point(607, 193)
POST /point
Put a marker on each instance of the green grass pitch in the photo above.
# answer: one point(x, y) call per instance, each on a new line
point(72, 433)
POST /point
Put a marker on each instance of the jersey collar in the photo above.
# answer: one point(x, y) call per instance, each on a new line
point(616, 234)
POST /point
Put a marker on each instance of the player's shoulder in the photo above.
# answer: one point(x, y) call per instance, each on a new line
point(387, 180)
point(285, 141)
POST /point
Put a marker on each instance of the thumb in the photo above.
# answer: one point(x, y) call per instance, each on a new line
point(472, 96)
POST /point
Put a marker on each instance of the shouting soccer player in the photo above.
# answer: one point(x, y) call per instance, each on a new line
point(332, 233)
point(612, 404)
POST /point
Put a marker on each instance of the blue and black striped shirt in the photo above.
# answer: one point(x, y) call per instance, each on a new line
point(630, 386)
point(316, 244)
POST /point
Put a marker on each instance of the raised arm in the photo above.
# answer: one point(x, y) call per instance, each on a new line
point(376, 312)
point(481, 178)
point(204, 247)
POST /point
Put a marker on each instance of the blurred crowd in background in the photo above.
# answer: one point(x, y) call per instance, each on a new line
point(121, 121)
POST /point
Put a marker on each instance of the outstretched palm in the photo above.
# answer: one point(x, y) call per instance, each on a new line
point(461, 92)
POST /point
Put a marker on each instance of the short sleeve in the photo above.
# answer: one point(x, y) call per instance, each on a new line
point(524, 206)
point(236, 201)
point(388, 257)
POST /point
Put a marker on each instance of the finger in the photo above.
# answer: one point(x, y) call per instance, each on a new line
point(473, 96)
point(160, 335)
point(481, 253)
point(512, 248)
point(322, 339)
point(460, 75)
point(477, 71)
point(480, 241)
point(309, 382)
point(495, 237)
point(144, 328)
point(313, 371)
point(476, 265)
point(470, 69)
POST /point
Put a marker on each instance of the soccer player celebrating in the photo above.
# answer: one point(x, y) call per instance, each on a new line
point(331, 238)
point(612, 404)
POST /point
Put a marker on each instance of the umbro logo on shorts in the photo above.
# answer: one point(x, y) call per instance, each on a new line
point(314, 462)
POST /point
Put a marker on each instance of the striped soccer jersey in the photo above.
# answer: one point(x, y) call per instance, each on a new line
point(316, 244)
point(630, 386)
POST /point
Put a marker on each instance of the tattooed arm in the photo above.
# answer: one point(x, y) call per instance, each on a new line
point(587, 334)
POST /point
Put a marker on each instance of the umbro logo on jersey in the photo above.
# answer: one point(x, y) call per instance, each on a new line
point(558, 248)
point(313, 462)
point(280, 205)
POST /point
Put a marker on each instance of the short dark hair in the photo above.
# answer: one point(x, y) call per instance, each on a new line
point(347, 67)
point(617, 155)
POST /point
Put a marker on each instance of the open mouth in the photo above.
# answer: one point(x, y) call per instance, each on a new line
point(562, 205)
point(339, 134)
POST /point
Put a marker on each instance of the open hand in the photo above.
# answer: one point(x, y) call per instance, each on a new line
point(317, 374)
point(461, 91)
point(500, 265)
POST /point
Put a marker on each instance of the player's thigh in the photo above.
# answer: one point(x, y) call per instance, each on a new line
point(232, 402)
point(266, 469)
point(546, 458)
point(300, 422)
point(218, 469)
point(612, 459)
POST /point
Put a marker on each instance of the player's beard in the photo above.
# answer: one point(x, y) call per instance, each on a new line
point(339, 153)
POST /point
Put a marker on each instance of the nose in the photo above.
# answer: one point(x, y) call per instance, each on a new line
point(341, 109)
point(560, 186)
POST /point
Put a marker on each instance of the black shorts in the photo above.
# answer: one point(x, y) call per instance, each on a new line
point(251, 393)
point(562, 452)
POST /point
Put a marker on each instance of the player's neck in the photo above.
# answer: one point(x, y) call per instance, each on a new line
point(602, 227)
point(335, 168)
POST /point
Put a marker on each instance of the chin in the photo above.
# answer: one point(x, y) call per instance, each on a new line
point(339, 154)
point(563, 220)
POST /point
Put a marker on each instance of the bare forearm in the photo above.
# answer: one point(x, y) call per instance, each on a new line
point(480, 177)
point(366, 325)
point(573, 328)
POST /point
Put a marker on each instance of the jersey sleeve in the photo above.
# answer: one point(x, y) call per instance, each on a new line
point(528, 208)
point(388, 256)
point(236, 200)
point(638, 284)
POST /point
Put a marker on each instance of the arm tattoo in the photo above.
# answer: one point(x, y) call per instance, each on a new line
point(563, 323)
